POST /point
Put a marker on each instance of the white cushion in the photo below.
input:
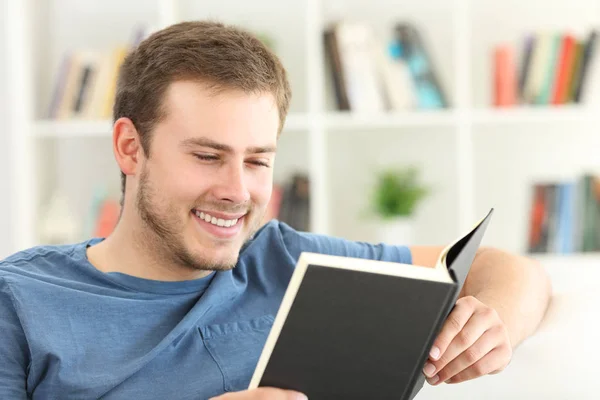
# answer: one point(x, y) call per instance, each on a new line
point(558, 362)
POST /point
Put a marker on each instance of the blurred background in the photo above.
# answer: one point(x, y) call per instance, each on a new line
point(410, 119)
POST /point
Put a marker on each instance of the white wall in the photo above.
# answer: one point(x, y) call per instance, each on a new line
point(5, 199)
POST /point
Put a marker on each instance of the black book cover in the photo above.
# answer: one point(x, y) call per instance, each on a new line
point(362, 329)
point(342, 350)
point(458, 260)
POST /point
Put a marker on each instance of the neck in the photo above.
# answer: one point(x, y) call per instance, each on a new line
point(138, 252)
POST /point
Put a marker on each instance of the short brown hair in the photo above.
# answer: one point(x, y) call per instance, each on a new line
point(224, 57)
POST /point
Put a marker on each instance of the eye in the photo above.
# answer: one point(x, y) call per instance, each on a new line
point(206, 157)
point(260, 163)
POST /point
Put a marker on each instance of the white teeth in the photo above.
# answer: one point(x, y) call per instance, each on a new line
point(216, 221)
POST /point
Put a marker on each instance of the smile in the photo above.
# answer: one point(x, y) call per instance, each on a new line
point(219, 225)
point(214, 220)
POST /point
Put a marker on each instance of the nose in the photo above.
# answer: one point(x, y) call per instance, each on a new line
point(232, 186)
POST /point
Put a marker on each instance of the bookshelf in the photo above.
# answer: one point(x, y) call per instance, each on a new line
point(531, 115)
point(457, 148)
point(348, 122)
point(391, 120)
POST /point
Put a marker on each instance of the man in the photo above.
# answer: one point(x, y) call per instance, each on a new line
point(178, 301)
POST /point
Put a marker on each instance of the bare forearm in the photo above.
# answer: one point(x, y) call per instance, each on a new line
point(516, 287)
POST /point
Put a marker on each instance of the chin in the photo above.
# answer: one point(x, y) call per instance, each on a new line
point(215, 256)
point(230, 257)
point(217, 246)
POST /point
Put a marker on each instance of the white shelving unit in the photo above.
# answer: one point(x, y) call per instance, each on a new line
point(532, 115)
point(455, 147)
point(21, 91)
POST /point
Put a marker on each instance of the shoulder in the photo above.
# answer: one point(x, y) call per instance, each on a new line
point(40, 260)
point(277, 233)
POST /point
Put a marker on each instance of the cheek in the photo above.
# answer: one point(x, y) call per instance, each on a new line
point(190, 187)
point(262, 188)
point(181, 183)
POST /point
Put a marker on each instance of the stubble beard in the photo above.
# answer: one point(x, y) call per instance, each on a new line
point(164, 232)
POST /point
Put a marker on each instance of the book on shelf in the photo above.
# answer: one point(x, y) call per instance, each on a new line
point(429, 92)
point(362, 329)
point(564, 216)
point(505, 77)
point(369, 75)
point(554, 68)
point(87, 84)
point(290, 202)
point(86, 81)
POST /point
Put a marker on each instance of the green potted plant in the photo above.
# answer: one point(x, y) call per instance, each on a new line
point(395, 197)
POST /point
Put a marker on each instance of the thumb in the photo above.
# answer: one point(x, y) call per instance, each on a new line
point(263, 393)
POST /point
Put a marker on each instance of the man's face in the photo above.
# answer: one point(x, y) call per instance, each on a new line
point(206, 184)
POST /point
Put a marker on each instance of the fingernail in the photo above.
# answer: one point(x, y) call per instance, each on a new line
point(300, 396)
point(434, 353)
point(429, 369)
point(433, 380)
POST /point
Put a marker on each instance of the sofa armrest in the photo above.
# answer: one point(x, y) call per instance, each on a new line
point(560, 360)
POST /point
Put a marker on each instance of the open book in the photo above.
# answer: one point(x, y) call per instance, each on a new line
point(351, 328)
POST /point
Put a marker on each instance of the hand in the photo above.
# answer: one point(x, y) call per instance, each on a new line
point(262, 393)
point(473, 342)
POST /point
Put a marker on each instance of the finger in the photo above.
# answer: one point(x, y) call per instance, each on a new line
point(471, 332)
point(455, 322)
point(263, 393)
point(470, 356)
point(486, 365)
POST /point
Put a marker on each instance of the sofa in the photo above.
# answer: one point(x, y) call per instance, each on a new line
point(561, 360)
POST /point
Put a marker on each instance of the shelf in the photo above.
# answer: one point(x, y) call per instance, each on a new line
point(72, 128)
point(349, 121)
point(534, 115)
point(103, 128)
point(356, 121)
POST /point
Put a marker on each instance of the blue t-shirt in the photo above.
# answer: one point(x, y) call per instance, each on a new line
point(70, 331)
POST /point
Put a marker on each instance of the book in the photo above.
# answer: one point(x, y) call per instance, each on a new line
point(525, 66)
point(330, 45)
point(505, 77)
point(351, 328)
point(294, 207)
point(589, 50)
point(429, 91)
point(564, 70)
point(547, 82)
point(355, 45)
point(574, 80)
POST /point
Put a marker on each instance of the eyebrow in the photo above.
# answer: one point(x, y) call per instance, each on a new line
point(206, 142)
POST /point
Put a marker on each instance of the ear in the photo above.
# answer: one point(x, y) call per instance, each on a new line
point(127, 147)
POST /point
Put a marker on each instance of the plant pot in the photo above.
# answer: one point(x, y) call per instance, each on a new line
point(396, 231)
